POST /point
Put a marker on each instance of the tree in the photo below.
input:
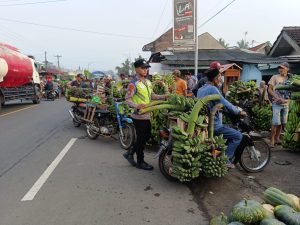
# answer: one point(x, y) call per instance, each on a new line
point(127, 67)
point(243, 44)
point(223, 43)
point(88, 74)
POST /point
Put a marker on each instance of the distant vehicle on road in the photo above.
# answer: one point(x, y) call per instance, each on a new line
point(19, 78)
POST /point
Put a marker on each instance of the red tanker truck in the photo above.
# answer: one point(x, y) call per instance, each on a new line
point(19, 78)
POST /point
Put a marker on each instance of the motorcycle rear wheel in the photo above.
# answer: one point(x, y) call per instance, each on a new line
point(90, 133)
point(248, 161)
point(128, 138)
point(165, 164)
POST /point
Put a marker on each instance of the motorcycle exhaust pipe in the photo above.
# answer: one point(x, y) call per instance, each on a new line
point(71, 114)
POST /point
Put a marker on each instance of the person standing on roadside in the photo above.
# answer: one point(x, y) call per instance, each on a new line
point(181, 86)
point(139, 94)
point(280, 103)
point(190, 84)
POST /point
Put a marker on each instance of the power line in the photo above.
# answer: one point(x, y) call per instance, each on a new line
point(159, 20)
point(167, 27)
point(33, 3)
point(216, 14)
point(74, 29)
point(10, 0)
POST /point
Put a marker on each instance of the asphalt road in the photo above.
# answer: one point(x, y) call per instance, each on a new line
point(50, 173)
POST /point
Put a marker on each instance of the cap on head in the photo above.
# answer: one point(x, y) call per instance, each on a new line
point(80, 75)
point(215, 65)
point(141, 63)
point(284, 65)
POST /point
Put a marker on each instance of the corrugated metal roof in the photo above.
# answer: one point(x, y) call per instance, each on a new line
point(225, 56)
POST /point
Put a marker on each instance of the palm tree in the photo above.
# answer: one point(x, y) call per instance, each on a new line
point(223, 43)
point(243, 44)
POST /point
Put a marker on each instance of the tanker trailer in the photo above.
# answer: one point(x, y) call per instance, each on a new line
point(19, 79)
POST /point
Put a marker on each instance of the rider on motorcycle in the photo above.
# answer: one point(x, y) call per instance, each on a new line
point(233, 136)
point(48, 87)
point(79, 82)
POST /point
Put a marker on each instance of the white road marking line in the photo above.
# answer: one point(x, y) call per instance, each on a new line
point(43, 178)
point(5, 114)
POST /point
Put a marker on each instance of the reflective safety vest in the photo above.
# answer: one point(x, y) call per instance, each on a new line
point(143, 92)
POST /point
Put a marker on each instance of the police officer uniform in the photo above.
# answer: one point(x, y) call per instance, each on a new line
point(140, 92)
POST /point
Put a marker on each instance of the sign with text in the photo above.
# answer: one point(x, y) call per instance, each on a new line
point(184, 30)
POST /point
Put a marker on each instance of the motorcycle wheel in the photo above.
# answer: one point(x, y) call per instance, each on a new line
point(76, 123)
point(166, 165)
point(251, 164)
point(90, 133)
point(128, 138)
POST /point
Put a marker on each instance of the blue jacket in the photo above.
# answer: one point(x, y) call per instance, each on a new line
point(209, 89)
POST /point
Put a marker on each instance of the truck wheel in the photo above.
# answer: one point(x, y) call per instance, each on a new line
point(36, 100)
point(1, 101)
point(37, 97)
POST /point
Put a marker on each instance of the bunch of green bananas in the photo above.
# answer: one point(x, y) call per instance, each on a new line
point(291, 126)
point(119, 89)
point(199, 122)
point(78, 92)
point(240, 90)
point(186, 102)
point(125, 110)
point(156, 77)
point(169, 83)
point(213, 158)
point(262, 117)
point(158, 87)
point(186, 155)
point(157, 120)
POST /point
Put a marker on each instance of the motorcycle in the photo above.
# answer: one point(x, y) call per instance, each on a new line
point(253, 154)
point(104, 123)
point(77, 113)
point(50, 95)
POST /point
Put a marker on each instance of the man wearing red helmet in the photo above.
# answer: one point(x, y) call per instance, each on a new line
point(213, 65)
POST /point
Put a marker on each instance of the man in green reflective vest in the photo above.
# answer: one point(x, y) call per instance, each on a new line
point(139, 94)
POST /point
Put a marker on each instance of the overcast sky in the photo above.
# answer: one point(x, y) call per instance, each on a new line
point(118, 29)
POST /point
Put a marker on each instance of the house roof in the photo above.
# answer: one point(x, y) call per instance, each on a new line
point(261, 48)
point(224, 56)
point(287, 42)
point(165, 42)
point(225, 67)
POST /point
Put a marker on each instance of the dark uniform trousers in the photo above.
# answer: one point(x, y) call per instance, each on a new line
point(143, 133)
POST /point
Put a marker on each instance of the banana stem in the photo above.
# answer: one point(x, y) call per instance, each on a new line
point(212, 120)
point(158, 102)
point(195, 112)
point(163, 106)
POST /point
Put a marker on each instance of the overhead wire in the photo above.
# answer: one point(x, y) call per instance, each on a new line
point(33, 3)
point(201, 25)
point(74, 29)
point(159, 20)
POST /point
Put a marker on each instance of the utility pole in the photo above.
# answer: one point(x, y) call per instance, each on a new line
point(46, 62)
point(58, 56)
